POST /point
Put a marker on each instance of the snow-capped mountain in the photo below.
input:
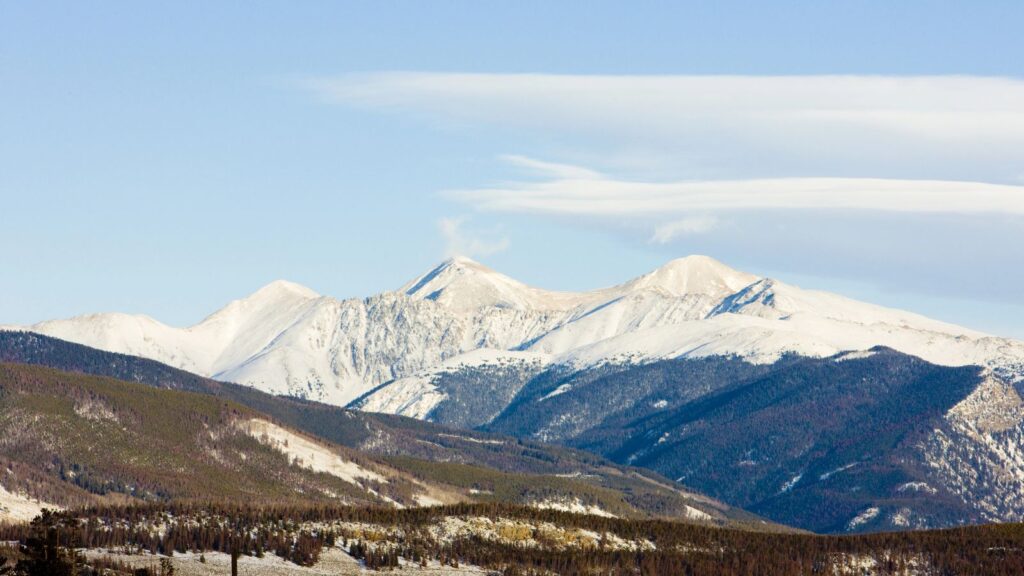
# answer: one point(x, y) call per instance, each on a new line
point(764, 394)
point(287, 339)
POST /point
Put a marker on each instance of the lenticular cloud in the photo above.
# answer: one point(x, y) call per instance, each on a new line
point(944, 127)
point(609, 197)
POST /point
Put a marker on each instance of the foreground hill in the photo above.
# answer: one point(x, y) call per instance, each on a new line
point(71, 440)
point(421, 463)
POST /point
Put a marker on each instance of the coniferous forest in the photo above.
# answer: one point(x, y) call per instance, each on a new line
point(386, 539)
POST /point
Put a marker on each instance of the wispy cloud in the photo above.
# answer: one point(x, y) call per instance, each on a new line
point(460, 241)
point(669, 231)
point(553, 169)
point(616, 198)
point(948, 127)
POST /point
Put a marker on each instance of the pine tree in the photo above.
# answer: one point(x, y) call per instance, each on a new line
point(48, 550)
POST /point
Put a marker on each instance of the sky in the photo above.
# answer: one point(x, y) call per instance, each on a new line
point(167, 158)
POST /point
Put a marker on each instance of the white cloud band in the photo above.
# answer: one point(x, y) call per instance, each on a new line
point(608, 197)
point(947, 127)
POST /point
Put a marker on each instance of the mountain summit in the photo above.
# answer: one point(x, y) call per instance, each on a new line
point(693, 275)
point(287, 339)
point(461, 283)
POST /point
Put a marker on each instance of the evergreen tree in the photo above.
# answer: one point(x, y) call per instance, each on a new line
point(48, 550)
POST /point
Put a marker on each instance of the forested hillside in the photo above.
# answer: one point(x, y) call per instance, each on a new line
point(832, 445)
point(510, 540)
point(466, 466)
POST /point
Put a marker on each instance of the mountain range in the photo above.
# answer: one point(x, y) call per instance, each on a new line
point(808, 408)
point(287, 339)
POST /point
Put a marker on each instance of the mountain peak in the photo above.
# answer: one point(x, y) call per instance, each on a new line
point(285, 287)
point(694, 274)
point(276, 297)
point(462, 283)
point(460, 260)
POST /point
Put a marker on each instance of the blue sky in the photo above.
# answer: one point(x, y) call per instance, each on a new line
point(165, 159)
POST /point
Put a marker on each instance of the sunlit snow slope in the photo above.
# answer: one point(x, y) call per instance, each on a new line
point(286, 339)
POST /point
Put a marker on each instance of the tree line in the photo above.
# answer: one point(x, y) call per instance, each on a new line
point(679, 548)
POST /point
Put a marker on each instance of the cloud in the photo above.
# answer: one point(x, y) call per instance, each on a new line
point(462, 242)
point(607, 197)
point(944, 127)
point(912, 183)
point(552, 169)
point(673, 211)
point(665, 233)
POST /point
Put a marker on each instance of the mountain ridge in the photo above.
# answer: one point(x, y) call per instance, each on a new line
point(812, 442)
point(287, 339)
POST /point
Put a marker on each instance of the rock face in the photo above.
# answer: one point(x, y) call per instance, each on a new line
point(286, 339)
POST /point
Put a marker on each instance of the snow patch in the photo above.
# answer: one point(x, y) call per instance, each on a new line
point(307, 453)
point(415, 397)
point(831, 473)
point(556, 392)
point(473, 440)
point(994, 406)
point(333, 561)
point(574, 505)
point(694, 514)
point(16, 507)
point(861, 564)
point(863, 518)
point(916, 487)
point(855, 355)
point(901, 518)
point(790, 484)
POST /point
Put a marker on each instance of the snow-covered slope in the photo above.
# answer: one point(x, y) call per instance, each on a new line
point(418, 395)
point(287, 339)
point(225, 339)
